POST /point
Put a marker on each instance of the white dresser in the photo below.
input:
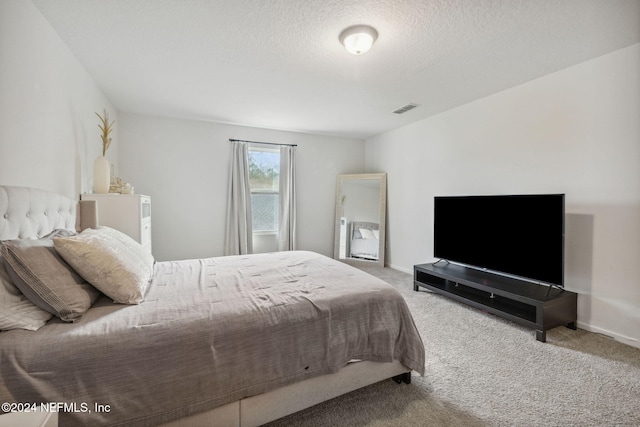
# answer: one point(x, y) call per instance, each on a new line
point(129, 213)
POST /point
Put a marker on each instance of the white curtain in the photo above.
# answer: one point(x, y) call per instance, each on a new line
point(239, 233)
point(287, 229)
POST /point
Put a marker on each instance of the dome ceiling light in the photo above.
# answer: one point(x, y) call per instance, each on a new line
point(358, 39)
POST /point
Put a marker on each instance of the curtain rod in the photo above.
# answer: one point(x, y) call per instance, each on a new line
point(258, 142)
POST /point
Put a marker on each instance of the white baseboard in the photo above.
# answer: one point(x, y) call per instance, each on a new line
point(397, 267)
point(621, 338)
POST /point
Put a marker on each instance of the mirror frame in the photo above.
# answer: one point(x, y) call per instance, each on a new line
point(382, 203)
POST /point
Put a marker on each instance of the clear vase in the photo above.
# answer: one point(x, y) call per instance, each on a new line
point(101, 175)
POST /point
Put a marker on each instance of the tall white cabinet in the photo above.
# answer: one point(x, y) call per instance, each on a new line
point(129, 213)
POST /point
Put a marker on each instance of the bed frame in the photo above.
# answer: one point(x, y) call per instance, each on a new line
point(263, 408)
point(28, 213)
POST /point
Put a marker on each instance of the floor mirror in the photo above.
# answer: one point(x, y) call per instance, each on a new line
point(360, 218)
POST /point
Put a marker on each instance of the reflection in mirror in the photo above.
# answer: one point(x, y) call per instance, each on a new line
point(360, 218)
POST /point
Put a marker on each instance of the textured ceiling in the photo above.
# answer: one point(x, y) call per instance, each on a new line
point(278, 64)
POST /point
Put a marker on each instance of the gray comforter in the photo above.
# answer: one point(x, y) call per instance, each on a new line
point(209, 332)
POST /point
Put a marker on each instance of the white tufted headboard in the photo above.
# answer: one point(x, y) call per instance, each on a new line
point(30, 213)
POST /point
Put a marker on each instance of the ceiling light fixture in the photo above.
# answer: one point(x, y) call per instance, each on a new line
point(358, 39)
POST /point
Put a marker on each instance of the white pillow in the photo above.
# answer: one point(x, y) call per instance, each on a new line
point(376, 234)
point(111, 261)
point(367, 234)
point(16, 311)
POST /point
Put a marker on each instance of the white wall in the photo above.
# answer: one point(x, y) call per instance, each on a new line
point(576, 132)
point(183, 165)
point(49, 133)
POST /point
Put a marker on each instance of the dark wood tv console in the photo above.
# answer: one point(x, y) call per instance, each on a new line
point(530, 304)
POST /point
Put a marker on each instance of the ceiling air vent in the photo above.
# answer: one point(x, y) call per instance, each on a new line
point(406, 108)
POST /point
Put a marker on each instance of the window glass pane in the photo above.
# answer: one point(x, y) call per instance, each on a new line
point(264, 211)
point(264, 172)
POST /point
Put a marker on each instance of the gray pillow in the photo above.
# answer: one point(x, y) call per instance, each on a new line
point(46, 279)
point(16, 311)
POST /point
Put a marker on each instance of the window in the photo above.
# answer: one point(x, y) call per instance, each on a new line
point(264, 173)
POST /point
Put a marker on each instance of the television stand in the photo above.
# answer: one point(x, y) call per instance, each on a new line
point(537, 306)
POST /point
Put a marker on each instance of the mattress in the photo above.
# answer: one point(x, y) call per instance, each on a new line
point(209, 332)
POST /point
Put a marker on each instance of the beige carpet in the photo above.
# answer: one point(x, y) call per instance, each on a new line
point(482, 370)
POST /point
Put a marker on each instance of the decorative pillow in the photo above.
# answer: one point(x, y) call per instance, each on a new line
point(111, 261)
point(16, 311)
point(376, 234)
point(367, 234)
point(46, 280)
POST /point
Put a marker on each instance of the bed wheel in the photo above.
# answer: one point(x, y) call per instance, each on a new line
point(403, 378)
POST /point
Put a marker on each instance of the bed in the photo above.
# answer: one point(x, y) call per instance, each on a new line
point(364, 241)
point(239, 340)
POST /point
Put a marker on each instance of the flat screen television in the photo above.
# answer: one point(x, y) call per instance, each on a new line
point(518, 235)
